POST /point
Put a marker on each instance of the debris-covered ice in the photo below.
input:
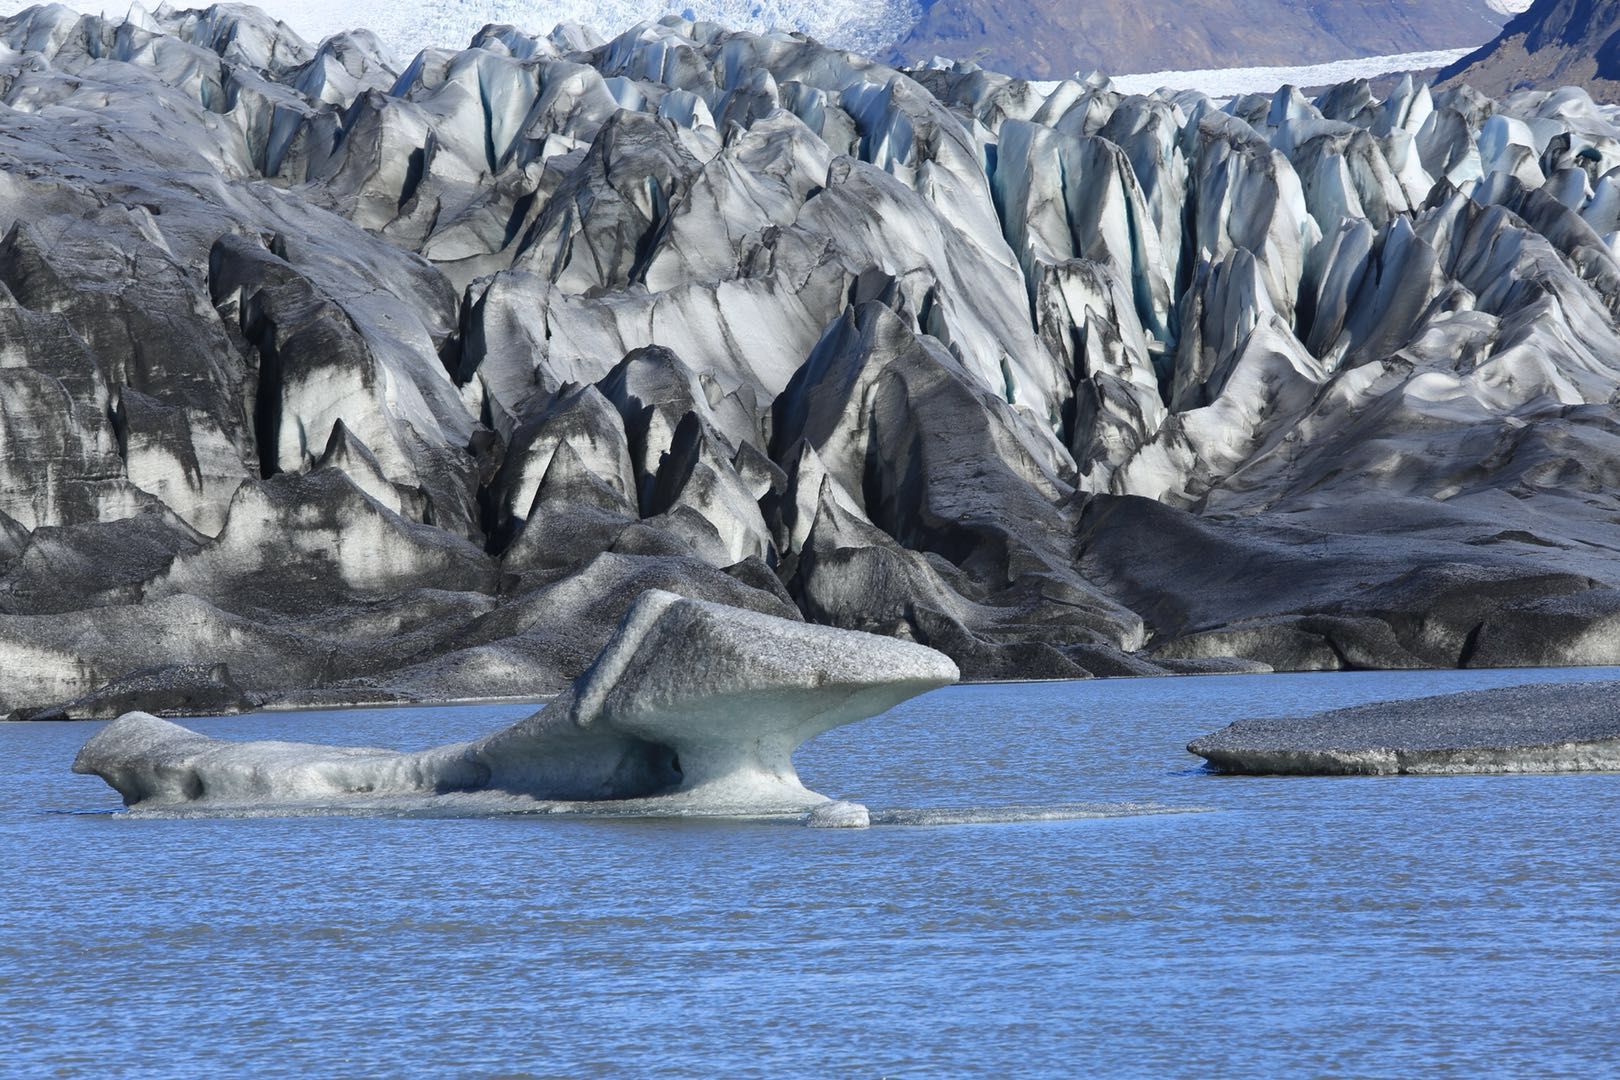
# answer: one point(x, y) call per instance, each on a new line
point(1523, 729)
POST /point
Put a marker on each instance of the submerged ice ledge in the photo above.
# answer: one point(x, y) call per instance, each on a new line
point(829, 814)
point(691, 708)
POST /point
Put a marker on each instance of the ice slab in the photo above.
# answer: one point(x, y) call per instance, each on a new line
point(1521, 729)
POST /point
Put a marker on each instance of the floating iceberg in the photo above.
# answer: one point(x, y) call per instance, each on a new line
point(692, 708)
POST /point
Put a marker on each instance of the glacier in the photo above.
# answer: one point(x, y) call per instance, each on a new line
point(1233, 81)
point(408, 28)
point(328, 376)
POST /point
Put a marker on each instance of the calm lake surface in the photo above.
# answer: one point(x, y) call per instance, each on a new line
point(1321, 926)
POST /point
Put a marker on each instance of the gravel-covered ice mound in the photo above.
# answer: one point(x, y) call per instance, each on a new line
point(1521, 729)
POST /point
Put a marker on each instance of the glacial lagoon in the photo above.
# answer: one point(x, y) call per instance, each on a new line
point(1345, 925)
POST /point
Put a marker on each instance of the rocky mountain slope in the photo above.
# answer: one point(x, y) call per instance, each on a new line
point(1051, 39)
point(321, 380)
point(1555, 43)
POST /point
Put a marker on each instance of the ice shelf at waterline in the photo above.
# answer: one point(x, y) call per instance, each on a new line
point(692, 707)
point(1521, 729)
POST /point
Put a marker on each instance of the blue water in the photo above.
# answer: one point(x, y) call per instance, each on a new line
point(1354, 926)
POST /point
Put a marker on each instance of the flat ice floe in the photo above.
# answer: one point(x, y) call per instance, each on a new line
point(1521, 729)
point(692, 708)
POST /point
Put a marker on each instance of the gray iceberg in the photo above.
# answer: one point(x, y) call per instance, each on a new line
point(692, 708)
